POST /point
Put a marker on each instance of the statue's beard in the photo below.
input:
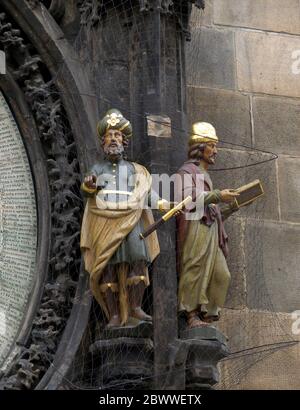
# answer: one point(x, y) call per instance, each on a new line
point(211, 159)
point(115, 151)
point(208, 159)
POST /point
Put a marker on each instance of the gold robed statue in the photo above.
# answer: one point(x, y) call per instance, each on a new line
point(115, 215)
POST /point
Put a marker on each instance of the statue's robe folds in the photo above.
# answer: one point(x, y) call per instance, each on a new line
point(110, 226)
point(201, 248)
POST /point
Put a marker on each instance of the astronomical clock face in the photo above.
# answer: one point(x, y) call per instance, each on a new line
point(18, 231)
point(40, 200)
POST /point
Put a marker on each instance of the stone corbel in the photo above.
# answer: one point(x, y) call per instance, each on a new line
point(198, 3)
point(164, 6)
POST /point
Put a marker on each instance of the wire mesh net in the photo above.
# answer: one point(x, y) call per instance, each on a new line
point(117, 34)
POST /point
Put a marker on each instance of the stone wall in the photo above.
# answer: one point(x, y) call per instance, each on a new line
point(243, 67)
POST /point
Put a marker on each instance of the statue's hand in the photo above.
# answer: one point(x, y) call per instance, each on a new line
point(90, 181)
point(228, 195)
point(163, 205)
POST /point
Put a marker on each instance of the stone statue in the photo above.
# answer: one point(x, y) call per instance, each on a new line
point(115, 215)
point(202, 244)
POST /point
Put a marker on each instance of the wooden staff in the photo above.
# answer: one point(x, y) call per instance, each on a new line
point(166, 217)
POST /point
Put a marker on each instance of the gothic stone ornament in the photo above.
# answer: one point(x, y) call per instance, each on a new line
point(198, 3)
point(92, 11)
point(34, 359)
point(163, 5)
point(166, 5)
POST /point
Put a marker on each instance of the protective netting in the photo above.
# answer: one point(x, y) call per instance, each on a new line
point(117, 35)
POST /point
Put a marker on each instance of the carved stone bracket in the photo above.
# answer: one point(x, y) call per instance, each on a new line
point(193, 359)
point(206, 347)
point(198, 3)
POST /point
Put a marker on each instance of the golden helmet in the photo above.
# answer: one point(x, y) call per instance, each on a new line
point(203, 132)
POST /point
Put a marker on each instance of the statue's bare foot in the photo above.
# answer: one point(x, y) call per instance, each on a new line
point(209, 319)
point(113, 322)
point(138, 313)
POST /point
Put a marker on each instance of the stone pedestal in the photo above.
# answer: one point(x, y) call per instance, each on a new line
point(123, 358)
point(206, 347)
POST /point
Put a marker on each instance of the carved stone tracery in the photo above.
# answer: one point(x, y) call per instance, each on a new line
point(162, 5)
point(66, 206)
point(91, 11)
point(167, 5)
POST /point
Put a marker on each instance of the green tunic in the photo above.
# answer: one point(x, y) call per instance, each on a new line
point(119, 176)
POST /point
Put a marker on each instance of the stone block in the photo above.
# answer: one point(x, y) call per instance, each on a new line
point(265, 207)
point(272, 253)
point(265, 63)
point(277, 124)
point(269, 355)
point(210, 58)
point(289, 188)
point(269, 15)
point(228, 111)
point(276, 370)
